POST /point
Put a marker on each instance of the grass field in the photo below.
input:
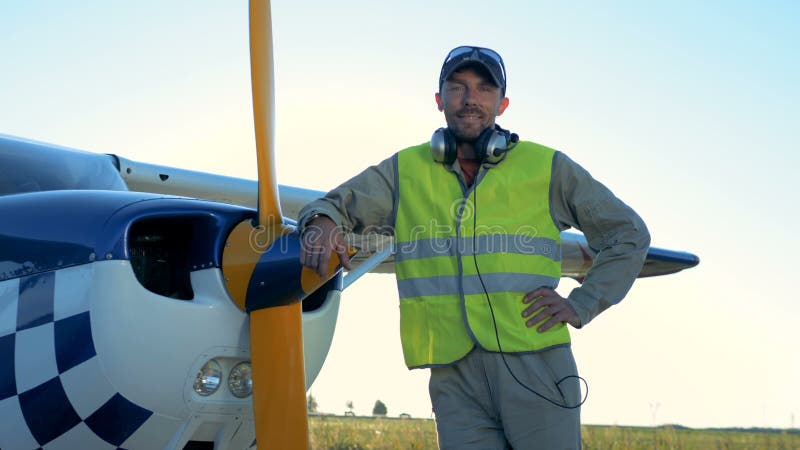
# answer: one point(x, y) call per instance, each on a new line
point(367, 433)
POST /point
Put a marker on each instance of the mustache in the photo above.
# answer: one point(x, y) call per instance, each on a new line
point(470, 110)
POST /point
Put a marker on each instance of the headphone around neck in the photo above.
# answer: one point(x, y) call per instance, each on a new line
point(491, 145)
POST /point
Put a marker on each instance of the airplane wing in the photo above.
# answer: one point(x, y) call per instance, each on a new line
point(58, 168)
point(144, 177)
point(375, 253)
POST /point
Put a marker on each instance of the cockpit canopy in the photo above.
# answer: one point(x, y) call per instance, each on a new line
point(29, 166)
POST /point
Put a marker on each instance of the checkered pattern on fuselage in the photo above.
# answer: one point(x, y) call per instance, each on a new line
point(53, 391)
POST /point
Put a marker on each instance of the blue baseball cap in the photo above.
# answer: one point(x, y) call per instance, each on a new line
point(466, 55)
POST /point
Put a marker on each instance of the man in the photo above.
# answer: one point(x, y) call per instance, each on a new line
point(476, 218)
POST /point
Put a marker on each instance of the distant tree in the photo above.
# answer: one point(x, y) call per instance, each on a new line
point(311, 403)
point(349, 405)
point(379, 409)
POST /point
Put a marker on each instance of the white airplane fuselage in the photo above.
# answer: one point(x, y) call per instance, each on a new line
point(111, 302)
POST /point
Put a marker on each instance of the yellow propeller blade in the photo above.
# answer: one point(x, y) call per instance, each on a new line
point(263, 81)
point(276, 340)
point(264, 276)
point(279, 389)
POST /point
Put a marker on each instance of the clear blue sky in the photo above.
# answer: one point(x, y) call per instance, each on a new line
point(686, 110)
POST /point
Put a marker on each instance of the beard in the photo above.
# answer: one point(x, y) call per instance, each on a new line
point(463, 136)
point(468, 131)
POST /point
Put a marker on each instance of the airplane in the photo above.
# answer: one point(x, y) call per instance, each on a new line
point(147, 307)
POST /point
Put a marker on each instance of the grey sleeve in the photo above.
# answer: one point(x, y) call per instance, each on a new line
point(363, 204)
point(611, 227)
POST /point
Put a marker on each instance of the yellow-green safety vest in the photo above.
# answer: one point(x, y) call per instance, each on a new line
point(444, 310)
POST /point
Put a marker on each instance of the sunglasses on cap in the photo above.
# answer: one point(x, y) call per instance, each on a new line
point(487, 57)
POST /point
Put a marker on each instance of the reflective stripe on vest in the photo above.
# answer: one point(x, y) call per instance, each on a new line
point(444, 309)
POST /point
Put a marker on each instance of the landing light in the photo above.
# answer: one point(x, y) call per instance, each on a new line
point(240, 381)
point(208, 377)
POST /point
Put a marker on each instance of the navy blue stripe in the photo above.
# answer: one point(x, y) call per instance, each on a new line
point(117, 419)
point(95, 224)
point(24, 256)
point(8, 382)
point(47, 411)
point(73, 341)
point(672, 256)
point(35, 305)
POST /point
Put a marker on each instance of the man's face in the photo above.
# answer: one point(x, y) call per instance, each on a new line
point(470, 103)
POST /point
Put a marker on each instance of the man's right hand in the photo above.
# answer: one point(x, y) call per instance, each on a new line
point(320, 237)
